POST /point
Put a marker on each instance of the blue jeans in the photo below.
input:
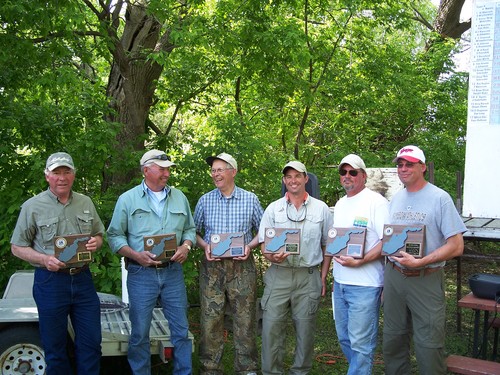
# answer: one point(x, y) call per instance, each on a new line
point(58, 295)
point(356, 321)
point(145, 286)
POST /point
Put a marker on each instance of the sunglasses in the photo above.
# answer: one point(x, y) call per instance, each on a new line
point(159, 157)
point(352, 172)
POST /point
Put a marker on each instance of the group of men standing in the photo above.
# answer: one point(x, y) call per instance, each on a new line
point(294, 283)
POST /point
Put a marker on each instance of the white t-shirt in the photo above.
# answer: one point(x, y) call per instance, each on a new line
point(370, 210)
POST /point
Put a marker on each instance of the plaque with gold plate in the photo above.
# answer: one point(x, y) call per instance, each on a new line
point(346, 241)
point(163, 246)
point(403, 238)
point(71, 249)
point(282, 240)
point(227, 245)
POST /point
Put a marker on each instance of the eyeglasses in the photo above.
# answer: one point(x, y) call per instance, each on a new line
point(301, 217)
point(219, 170)
point(351, 172)
point(407, 165)
point(159, 157)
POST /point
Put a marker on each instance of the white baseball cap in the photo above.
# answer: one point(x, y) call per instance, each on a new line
point(411, 153)
point(158, 157)
point(354, 161)
point(225, 157)
point(297, 165)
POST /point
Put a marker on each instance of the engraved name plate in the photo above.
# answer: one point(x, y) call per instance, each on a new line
point(278, 240)
point(163, 246)
point(71, 249)
point(403, 238)
point(227, 245)
point(346, 241)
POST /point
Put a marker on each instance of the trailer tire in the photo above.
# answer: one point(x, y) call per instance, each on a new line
point(21, 351)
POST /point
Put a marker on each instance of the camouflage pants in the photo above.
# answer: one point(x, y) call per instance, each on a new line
point(231, 283)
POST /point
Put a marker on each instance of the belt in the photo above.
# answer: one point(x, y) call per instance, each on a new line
point(309, 269)
point(168, 263)
point(415, 272)
point(74, 270)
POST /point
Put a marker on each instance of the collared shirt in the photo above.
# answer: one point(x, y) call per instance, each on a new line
point(158, 198)
point(240, 212)
point(134, 217)
point(314, 228)
point(43, 217)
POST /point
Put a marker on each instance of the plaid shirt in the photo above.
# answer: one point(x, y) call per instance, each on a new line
point(216, 214)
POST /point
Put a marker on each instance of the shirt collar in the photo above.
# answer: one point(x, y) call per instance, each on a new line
point(234, 194)
point(147, 190)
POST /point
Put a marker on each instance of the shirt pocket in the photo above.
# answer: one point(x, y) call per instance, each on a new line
point(47, 229)
point(313, 227)
point(85, 223)
point(176, 219)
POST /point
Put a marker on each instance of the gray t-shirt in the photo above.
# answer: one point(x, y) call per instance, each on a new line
point(432, 207)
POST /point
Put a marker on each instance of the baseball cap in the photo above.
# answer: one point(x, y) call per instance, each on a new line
point(59, 159)
point(158, 157)
point(225, 157)
point(410, 153)
point(297, 165)
point(354, 161)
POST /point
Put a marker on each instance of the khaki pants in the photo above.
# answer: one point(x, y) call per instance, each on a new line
point(294, 290)
point(414, 306)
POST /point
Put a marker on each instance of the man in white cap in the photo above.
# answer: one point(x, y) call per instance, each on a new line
point(414, 299)
point(61, 290)
point(154, 208)
point(358, 282)
point(293, 281)
point(227, 209)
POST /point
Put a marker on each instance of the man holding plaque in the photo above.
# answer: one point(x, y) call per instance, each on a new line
point(60, 289)
point(226, 216)
point(293, 281)
point(358, 282)
point(414, 299)
point(153, 208)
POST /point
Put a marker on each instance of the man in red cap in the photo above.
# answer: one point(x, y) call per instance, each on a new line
point(414, 300)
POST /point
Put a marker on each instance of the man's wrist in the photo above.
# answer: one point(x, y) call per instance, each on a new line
point(187, 245)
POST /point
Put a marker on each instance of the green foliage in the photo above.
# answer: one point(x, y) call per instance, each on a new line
point(265, 81)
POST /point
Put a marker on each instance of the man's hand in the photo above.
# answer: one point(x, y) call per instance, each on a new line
point(277, 258)
point(348, 261)
point(181, 254)
point(407, 260)
point(52, 263)
point(248, 251)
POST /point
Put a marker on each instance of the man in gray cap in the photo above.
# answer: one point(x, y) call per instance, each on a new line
point(358, 282)
point(227, 209)
point(154, 208)
point(61, 290)
point(293, 281)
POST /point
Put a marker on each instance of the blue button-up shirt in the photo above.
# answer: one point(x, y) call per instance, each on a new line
point(240, 212)
point(134, 217)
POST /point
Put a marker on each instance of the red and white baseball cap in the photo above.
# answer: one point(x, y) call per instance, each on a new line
point(411, 153)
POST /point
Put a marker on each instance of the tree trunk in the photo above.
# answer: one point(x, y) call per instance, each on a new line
point(131, 84)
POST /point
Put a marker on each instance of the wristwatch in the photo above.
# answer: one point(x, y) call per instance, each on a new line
point(187, 246)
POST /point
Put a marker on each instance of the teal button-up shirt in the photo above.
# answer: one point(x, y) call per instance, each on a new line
point(134, 217)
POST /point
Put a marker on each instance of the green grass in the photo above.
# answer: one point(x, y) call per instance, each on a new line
point(328, 357)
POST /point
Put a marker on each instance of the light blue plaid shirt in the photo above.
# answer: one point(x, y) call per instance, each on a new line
point(216, 214)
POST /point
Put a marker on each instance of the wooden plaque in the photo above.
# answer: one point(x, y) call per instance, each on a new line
point(403, 238)
point(227, 245)
point(279, 240)
point(71, 249)
point(163, 246)
point(346, 241)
